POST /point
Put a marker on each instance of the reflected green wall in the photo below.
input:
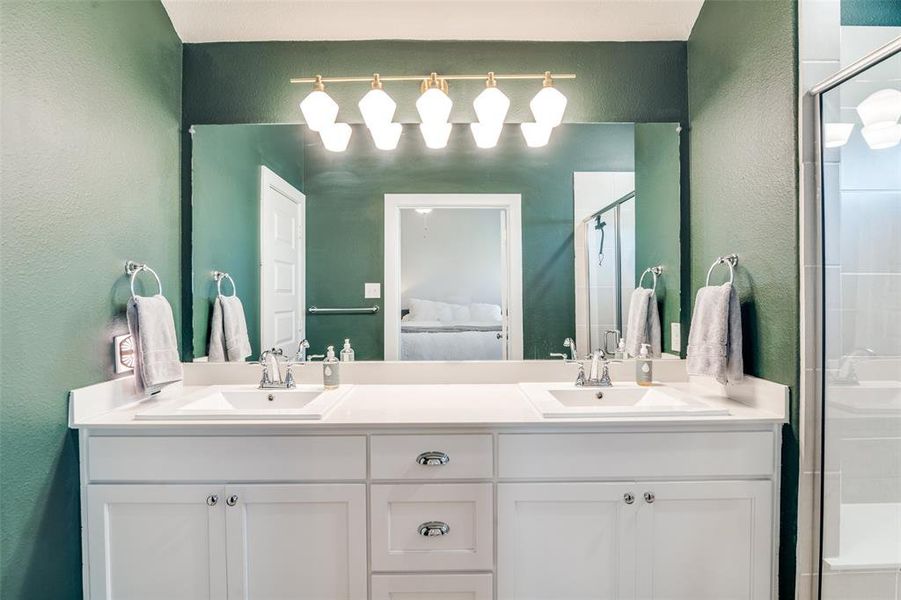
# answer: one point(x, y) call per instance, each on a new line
point(91, 101)
point(743, 96)
point(878, 13)
point(345, 219)
point(226, 213)
point(658, 208)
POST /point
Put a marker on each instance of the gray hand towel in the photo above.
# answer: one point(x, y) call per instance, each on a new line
point(643, 325)
point(216, 351)
point(234, 326)
point(714, 341)
point(152, 328)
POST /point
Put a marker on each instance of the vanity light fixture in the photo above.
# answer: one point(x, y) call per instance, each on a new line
point(882, 108)
point(882, 136)
point(548, 104)
point(386, 136)
point(536, 134)
point(434, 107)
point(491, 108)
point(837, 134)
point(486, 135)
point(318, 108)
point(336, 136)
point(376, 106)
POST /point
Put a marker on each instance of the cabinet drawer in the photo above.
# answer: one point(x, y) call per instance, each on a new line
point(432, 587)
point(460, 517)
point(636, 455)
point(248, 458)
point(446, 456)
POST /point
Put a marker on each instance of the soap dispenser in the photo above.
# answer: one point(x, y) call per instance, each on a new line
point(347, 353)
point(644, 367)
point(330, 376)
point(620, 353)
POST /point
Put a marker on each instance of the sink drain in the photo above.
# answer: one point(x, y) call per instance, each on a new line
point(599, 395)
point(271, 397)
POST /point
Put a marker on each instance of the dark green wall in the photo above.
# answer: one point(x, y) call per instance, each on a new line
point(658, 208)
point(226, 213)
point(345, 219)
point(879, 13)
point(617, 81)
point(742, 64)
point(90, 169)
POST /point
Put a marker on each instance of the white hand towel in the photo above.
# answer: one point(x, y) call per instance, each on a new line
point(643, 325)
point(714, 340)
point(228, 331)
point(152, 328)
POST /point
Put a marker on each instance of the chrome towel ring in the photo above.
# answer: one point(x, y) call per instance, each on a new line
point(132, 269)
point(655, 271)
point(219, 276)
point(731, 260)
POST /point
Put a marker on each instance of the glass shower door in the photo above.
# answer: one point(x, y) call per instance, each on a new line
point(861, 334)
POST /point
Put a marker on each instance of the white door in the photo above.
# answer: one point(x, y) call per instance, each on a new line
point(565, 541)
point(303, 542)
point(282, 268)
point(147, 542)
point(705, 540)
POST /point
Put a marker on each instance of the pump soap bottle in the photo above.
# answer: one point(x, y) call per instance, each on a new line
point(347, 353)
point(644, 367)
point(330, 376)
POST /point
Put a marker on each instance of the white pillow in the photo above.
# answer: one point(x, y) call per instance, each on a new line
point(430, 310)
point(485, 312)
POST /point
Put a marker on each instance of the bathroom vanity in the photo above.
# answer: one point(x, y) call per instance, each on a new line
point(408, 483)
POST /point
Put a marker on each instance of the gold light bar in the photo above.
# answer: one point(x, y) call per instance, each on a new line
point(420, 78)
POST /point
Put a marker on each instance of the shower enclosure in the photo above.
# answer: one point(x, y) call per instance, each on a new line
point(860, 329)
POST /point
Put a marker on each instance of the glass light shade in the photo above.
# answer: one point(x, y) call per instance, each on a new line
point(837, 134)
point(435, 134)
point(434, 106)
point(491, 106)
point(377, 108)
point(319, 110)
point(335, 137)
point(486, 134)
point(386, 136)
point(548, 106)
point(536, 134)
point(880, 137)
point(880, 108)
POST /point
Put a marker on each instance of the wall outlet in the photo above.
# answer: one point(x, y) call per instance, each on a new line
point(372, 290)
point(675, 334)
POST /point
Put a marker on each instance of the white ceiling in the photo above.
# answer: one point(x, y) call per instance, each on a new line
point(540, 20)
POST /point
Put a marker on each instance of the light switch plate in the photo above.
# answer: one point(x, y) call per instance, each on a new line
point(675, 333)
point(372, 290)
point(124, 351)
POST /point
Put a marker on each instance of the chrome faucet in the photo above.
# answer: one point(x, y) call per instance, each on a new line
point(272, 375)
point(846, 373)
point(599, 364)
point(301, 355)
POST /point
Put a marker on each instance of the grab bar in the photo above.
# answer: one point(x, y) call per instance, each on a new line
point(731, 260)
point(369, 310)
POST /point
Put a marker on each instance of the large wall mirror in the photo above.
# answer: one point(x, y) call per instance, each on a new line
point(453, 254)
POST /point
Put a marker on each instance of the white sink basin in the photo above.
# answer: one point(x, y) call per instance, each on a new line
point(565, 400)
point(248, 402)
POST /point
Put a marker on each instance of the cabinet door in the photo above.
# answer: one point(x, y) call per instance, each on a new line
point(432, 587)
point(303, 542)
point(156, 541)
point(705, 540)
point(565, 541)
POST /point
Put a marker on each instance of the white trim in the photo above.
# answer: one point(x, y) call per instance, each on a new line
point(511, 203)
point(271, 180)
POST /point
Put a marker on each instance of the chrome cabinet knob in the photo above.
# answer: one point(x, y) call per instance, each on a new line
point(433, 458)
point(629, 497)
point(434, 529)
point(649, 497)
point(212, 500)
point(232, 500)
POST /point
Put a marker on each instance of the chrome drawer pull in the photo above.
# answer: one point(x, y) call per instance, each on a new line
point(433, 458)
point(433, 529)
point(629, 497)
point(649, 497)
point(212, 500)
point(232, 500)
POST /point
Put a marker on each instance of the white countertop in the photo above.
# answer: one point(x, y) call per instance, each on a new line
point(113, 405)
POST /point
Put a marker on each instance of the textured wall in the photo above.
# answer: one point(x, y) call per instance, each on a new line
point(658, 207)
point(226, 215)
point(879, 13)
point(744, 194)
point(90, 171)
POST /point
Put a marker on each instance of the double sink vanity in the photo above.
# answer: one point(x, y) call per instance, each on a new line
point(431, 481)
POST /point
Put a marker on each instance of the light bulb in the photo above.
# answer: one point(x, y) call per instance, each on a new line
point(548, 106)
point(435, 134)
point(386, 136)
point(880, 137)
point(836, 134)
point(491, 106)
point(434, 106)
point(335, 137)
point(536, 134)
point(423, 211)
point(880, 108)
point(377, 108)
point(486, 134)
point(319, 110)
